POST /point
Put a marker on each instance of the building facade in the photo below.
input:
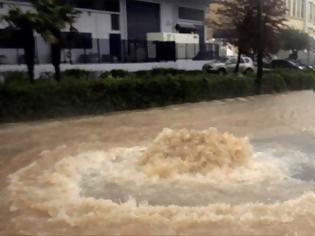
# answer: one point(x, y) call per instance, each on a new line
point(301, 15)
point(116, 31)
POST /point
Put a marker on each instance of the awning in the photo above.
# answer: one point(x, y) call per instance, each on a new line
point(186, 28)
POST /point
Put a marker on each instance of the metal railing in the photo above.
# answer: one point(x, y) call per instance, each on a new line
point(106, 51)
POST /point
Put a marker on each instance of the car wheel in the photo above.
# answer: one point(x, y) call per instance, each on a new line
point(205, 68)
point(248, 71)
point(221, 72)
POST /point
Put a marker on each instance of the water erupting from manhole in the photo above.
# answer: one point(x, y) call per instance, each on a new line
point(185, 182)
point(192, 151)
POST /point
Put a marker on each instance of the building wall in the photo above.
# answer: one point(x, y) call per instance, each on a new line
point(98, 24)
point(169, 13)
point(301, 15)
point(310, 18)
point(295, 23)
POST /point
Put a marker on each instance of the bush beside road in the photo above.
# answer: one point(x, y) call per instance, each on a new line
point(78, 94)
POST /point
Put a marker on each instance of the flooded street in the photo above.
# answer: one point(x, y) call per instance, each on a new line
point(73, 184)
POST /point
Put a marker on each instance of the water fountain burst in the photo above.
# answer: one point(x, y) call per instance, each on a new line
point(184, 182)
point(192, 151)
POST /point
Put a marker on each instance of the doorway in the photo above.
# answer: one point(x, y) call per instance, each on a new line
point(115, 47)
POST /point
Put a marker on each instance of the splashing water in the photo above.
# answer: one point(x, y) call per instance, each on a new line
point(192, 151)
point(185, 182)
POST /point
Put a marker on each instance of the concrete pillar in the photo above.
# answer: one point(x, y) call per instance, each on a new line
point(167, 17)
point(123, 19)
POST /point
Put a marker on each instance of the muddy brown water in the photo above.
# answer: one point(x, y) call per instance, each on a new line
point(277, 122)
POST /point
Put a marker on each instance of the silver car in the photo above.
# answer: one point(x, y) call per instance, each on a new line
point(227, 65)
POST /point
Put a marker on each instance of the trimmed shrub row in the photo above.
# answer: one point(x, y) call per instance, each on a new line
point(78, 95)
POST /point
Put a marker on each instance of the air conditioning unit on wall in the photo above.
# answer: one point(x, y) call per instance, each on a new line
point(174, 37)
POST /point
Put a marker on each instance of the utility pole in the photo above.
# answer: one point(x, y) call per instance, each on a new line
point(260, 49)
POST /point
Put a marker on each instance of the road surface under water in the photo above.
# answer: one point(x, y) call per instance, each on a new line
point(82, 176)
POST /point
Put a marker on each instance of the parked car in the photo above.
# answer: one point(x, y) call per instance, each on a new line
point(306, 67)
point(266, 61)
point(227, 65)
point(288, 64)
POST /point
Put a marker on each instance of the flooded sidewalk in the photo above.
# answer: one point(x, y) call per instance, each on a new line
point(280, 127)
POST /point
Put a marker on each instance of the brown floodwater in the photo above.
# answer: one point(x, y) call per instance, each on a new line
point(164, 171)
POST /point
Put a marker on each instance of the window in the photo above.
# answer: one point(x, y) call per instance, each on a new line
point(311, 11)
point(108, 5)
point(190, 14)
point(111, 5)
point(115, 21)
point(76, 40)
point(288, 5)
point(292, 8)
point(231, 61)
point(299, 7)
point(84, 4)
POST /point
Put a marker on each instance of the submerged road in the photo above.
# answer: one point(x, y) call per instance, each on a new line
point(285, 118)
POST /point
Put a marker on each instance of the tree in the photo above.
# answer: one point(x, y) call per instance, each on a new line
point(25, 23)
point(55, 17)
point(295, 41)
point(256, 24)
point(235, 15)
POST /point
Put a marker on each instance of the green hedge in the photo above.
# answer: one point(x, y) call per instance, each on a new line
point(295, 80)
point(78, 95)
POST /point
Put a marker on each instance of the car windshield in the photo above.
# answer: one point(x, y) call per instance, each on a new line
point(296, 63)
point(223, 59)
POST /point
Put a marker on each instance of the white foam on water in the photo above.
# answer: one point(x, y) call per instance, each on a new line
point(192, 151)
point(120, 192)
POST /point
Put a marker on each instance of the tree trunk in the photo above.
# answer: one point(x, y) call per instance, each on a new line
point(260, 50)
point(237, 67)
point(56, 57)
point(29, 52)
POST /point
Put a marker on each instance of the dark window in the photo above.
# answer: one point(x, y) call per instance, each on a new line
point(143, 18)
point(11, 39)
point(76, 40)
point(111, 5)
point(115, 21)
point(108, 5)
point(84, 4)
point(190, 14)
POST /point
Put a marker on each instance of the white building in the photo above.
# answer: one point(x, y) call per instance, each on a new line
point(116, 31)
point(301, 16)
